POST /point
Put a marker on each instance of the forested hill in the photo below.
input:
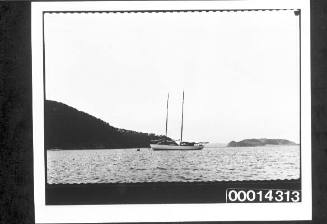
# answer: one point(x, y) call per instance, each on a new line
point(68, 128)
point(259, 142)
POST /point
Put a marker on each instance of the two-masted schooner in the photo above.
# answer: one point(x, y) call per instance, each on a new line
point(172, 145)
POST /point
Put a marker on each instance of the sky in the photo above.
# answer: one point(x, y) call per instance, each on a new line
point(239, 71)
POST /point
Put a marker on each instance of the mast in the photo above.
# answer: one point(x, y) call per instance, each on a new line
point(167, 115)
point(182, 118)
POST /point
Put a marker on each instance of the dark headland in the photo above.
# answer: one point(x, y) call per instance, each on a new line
point(69, 128)
point(260, 142)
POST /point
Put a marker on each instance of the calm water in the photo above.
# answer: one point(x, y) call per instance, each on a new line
point(146, 165)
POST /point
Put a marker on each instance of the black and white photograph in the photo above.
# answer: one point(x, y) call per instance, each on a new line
point(126, 103)
point(171, 105)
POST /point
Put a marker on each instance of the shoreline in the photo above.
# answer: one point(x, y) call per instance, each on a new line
point(88, 149)
point(209, 147)
point(155, 192)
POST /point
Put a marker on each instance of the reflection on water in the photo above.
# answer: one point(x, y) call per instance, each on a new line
point(146, 165)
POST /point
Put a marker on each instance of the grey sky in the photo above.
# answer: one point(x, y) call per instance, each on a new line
point(239, 70)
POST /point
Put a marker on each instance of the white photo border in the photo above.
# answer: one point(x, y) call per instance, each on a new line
point(169, 212)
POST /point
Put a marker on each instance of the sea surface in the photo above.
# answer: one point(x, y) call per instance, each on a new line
point(146, 165)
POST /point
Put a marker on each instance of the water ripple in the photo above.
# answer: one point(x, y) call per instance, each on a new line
point(209, 164)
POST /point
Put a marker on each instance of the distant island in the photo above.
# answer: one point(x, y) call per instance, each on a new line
point(260, 142)
point(69, 128)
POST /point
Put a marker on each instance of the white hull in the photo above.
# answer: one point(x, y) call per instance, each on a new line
point(175, 147)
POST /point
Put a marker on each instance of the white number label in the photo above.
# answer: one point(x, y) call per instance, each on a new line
point(265, 195)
